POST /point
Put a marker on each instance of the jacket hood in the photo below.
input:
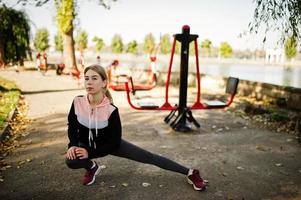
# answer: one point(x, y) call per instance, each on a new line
point(104, 102)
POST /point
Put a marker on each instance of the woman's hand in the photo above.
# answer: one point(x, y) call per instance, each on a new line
point(81, 153)
point(71, 154)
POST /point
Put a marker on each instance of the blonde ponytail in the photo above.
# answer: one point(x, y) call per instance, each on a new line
point(108, 94)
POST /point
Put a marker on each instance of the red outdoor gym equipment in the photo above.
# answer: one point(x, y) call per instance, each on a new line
point(181, 114)
point(116, 82)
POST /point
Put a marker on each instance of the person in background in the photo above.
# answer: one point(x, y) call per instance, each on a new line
point(98, 60)
point(38, 61)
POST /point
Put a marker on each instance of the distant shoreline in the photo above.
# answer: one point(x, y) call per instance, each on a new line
point(165, 59)
point(296, 63)
point(202, 60)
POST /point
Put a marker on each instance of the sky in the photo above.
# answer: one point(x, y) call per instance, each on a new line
point(216, 20)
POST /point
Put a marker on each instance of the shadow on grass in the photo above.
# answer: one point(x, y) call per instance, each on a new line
point(4, 89)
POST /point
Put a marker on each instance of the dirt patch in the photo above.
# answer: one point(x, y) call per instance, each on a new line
point(269, 114)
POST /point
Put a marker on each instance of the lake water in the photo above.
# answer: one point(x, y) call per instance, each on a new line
point(277, 75)
point(264, 73)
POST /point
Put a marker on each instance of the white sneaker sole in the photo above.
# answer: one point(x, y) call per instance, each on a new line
point(196, 188)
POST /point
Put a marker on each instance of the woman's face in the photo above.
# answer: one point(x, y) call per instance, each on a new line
point(94, 82)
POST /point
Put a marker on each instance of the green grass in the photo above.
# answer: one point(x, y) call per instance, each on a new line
point(9, 96)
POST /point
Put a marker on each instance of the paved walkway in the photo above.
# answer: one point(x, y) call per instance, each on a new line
point(240, 160)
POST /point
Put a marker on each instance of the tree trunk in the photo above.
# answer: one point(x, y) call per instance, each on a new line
point(2, 58)
point(69, 58)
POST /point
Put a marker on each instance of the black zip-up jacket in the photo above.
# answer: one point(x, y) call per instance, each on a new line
point(96, 129)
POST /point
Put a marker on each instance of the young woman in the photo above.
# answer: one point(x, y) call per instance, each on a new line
point(94, 130)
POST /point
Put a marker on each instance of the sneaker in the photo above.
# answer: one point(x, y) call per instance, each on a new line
point(195, 179)
point(90, 174)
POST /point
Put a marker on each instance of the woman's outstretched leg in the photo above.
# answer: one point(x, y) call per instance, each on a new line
point(133, 152)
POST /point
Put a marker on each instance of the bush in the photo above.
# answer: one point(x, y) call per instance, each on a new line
point(9, 96)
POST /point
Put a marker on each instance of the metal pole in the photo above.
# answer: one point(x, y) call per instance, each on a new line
point(180, 123)
point(184, 37)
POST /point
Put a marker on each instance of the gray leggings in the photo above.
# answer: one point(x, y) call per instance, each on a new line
point(132, 152)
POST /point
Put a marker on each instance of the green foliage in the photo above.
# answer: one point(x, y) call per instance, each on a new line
point(65, 15)
point(290, 48)
point(149, 43)
point(191, 49)
point(207, 44)
point(132, 47)
point(225, 50)
point(41, 40)
point(14, 35)
point(278, 114)
point(58, 41)
point(82, 40)
point(178, 47)
point(165, 44)
point(9, 94)
point(105, 3)
point(36, 3)
point(280, 15)
point(117, 45)
point(99, 43)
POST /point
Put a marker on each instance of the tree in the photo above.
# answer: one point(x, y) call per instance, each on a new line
point(117, 45)
point(58, 41)
point(191, 49)
point(290, 48)
point(41, 40)
point(280, 15)
point(149, 43)
point(65, 17)
point(99, 43)
point(14, 36)
point(178, 47)
point(132, 47)
point(82, 40)
point(206, 44)
point(165, 44)
point(225, 50)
